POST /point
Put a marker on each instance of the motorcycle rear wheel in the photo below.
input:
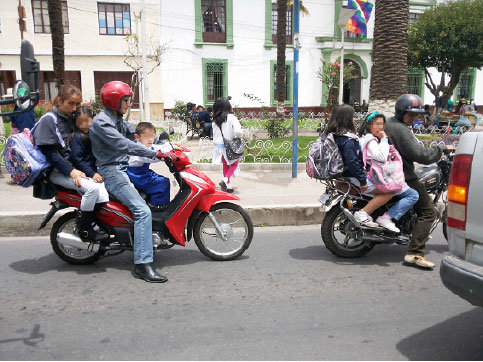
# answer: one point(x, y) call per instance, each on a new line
point(70, 254)
point(337, 239)
point(236, 224)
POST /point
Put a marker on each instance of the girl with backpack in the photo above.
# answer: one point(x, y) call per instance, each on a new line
point(51, 136)
point(385, 177)
point(341, 124)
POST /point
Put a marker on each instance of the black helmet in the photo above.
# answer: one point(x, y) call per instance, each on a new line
point(408, 103)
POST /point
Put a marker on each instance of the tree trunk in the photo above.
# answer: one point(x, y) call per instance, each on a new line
point(281, 46)
point(57, 34)
point(389, 54)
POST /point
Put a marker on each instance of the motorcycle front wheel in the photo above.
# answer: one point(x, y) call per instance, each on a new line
point(234, 223)
point(72, 255)
point(340, 238)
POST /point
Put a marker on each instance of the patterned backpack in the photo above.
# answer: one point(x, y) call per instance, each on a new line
point(324, 160)
point(23, 160)
point(386, 176)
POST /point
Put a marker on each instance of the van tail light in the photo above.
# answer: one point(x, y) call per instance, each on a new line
point(459, 183)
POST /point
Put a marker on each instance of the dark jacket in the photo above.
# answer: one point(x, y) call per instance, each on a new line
point(81, 154)
point(352, 155)
point(23, 120)
point(410, 149)
point(51, 138)
point(205, 117)
point(112, 140)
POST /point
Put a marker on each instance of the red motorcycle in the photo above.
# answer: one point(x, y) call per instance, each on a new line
point(222, 230)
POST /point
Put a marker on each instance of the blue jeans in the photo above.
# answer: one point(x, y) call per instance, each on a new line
point(118, 184)
point(407, 199)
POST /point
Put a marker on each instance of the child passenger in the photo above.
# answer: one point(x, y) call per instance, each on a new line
point(341, 124)
point(83, 160)
point(375, 139)
point(143, 178)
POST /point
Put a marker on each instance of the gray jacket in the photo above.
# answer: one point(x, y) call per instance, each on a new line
point(112, 140)
point(410, 149)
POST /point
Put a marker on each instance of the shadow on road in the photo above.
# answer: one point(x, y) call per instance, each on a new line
point(32, 340)
point(381, 255)
point(163, 258)
point(458, 338)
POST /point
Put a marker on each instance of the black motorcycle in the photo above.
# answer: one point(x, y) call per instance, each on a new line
point(345, 237)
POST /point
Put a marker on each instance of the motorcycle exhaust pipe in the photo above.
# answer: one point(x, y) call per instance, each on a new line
point(73, 240)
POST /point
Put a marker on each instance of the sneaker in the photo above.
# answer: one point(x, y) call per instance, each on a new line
point(386, 222)
point(419, 260)
point(364, 219)
point(222, 185)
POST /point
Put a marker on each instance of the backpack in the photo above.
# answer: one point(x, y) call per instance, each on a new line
point(386, 176)
point(324, 160)
point(23, 160)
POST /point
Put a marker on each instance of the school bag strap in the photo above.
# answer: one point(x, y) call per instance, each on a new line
point(54, 116)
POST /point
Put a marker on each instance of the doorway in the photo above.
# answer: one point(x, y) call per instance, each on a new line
point(352, 89)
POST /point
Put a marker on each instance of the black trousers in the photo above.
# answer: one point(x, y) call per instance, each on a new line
point(426, 215)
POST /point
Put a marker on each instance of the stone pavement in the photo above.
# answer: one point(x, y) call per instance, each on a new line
point(268, 192)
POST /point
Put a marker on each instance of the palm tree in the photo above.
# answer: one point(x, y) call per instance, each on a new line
point(389, 54)
point(57, 34)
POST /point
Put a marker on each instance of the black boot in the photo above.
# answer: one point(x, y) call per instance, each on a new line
point(146, 272)
point(87, 229)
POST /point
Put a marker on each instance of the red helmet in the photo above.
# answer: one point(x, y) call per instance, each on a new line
point(113, 92)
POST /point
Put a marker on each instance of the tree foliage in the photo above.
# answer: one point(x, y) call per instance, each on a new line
point(448, 37)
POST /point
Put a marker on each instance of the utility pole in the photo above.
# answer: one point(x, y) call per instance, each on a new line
point(344, 17)
point(295, 111)
point(139, 73)
point(144, 67)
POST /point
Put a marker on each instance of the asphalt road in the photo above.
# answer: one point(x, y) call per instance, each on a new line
point(286, 298)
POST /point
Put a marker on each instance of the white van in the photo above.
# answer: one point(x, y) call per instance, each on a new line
point(462, 268)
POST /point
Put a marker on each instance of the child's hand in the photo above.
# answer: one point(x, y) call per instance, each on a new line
point(363, 188)
point(177, 146)
point(382, 134)
point(98, 178)
point(76, 176)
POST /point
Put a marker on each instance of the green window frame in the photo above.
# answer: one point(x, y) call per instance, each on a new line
point(268, 27)
point(199, 25)
point(416, 81)
point(213, 86)
point(466, 86)
point(289, 82)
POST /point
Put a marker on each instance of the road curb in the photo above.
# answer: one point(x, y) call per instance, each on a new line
point(251, 166)
point(27, 223)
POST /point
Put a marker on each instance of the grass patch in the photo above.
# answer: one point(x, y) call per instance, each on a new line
point(262, 123)
point(8, 129)
point(280, 151)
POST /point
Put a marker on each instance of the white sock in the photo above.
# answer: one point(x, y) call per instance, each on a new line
point(228, 186)
point(225, 179)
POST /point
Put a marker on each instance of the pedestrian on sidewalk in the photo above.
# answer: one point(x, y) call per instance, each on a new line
point(225, 125)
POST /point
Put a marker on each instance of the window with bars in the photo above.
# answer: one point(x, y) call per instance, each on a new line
point(415, 81)
point(413, 17)
point(216, 80)
point(350, 34)
point(214, 20)
point(288, 82)
point(465, 85)
point(275, 21)
point(41, 16)
point(114, 19)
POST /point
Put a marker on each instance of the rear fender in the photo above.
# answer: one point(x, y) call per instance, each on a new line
point(56, 206)
point(207, 201)
point(191, 223)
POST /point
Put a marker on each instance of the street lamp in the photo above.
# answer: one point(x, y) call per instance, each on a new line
point(344, 16)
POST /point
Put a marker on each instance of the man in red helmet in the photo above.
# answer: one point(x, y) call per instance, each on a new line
point(112, 141)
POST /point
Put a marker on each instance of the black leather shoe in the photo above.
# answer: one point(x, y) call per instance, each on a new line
point(146, 272)
point(222, 185)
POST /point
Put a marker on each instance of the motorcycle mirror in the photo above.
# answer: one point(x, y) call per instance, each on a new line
point(23, 97)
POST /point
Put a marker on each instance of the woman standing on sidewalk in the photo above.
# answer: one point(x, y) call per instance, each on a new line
point(225, 125)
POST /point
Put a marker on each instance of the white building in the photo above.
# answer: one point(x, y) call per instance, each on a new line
point(214, 48)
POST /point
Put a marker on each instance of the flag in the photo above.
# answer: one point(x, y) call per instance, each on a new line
point(358, 22)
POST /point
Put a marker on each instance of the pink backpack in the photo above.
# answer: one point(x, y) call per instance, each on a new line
point(387, 177)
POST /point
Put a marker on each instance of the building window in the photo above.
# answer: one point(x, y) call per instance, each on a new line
point(465, 86)
point(48, 87)
point(416, 81)
point(41, 17)
point(288, 82)
point(215, 76)
point(275, 21)
point(114, 19)
point(101, 78)
point(413, 17)
point(350, 34)
point(7, 80)
point(214, 20)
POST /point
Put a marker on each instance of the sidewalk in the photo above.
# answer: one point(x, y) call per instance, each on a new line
point(267, 191)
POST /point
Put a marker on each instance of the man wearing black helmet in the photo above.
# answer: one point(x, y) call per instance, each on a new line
point(408, 108)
